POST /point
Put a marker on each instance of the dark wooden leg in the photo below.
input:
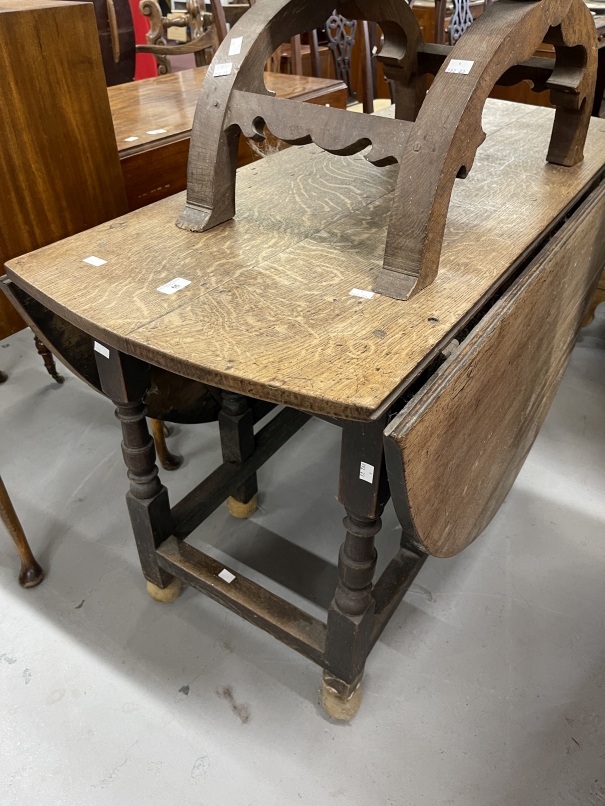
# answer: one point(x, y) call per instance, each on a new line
point(364, 492)
point(236, 423)
point(49, 360)
point(167, 459)
point(31, 574)
point(3, 377)
point(600, 86)
point(125, 381)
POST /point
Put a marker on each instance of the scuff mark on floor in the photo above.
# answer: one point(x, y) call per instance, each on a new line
point(242, 711)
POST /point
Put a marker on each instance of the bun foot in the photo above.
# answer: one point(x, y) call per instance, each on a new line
point(167, 594)
point(31, 575)
point(338, 706)
point(239, 510)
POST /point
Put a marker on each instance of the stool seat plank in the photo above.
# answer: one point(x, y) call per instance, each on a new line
point(269, 312)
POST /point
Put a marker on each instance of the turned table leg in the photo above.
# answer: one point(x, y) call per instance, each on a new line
point(125, 380)
point(31, 574)
point(167, 459)
point(236, 423)
point(363, 492)
point(49, 360)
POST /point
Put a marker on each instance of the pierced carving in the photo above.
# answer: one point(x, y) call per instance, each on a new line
point(341, 38)
point(462, 19)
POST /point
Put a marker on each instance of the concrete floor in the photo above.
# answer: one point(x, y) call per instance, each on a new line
point(486, 689)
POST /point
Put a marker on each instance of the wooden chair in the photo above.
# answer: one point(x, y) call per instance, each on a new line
point(201, 33)
point(31, 573)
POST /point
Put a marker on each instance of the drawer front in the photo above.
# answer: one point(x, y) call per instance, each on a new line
point(455, 450)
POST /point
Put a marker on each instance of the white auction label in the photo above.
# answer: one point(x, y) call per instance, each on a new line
point(173, 286)
point(461, 66)
point(94, 261)
point(227, 576)
point(358, 292)
point(235, 48)
point(223, 69)
point(366, 472)
point(130, 139)
point(157, 131)
point(101, 348)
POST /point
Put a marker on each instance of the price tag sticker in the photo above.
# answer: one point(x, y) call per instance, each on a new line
point(130, 139)
point(157, 131)
point(235, 48)
point(227, 576)
point(358, 292)
point(94, 261)
point(366, 472)
point(101, 348)
point(173, 286)
point(461, 66)
point(223, 69)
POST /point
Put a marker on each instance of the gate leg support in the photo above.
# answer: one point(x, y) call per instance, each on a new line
point(236, 423)
point(125, 380)
point(364, 491)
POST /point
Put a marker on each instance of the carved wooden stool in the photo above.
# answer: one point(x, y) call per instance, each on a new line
point(439, 379)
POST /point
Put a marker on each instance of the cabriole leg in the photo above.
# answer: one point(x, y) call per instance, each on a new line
point(125, 380)
point(236, 424)
point(31, 574)
point(49, 360)
point(364, 493)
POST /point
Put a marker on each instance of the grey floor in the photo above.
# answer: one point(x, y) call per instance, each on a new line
point(486, 689)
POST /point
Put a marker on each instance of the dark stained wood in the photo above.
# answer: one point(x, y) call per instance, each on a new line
point(31, 574)
point(440, 149)
point(49, 361)
point(288, 623)
point(455, 450)
point(202, 501)
point(280, 268)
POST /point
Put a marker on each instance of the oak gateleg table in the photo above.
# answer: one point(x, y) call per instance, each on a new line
point(439, 397)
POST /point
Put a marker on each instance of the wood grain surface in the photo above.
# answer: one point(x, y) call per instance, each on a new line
point(268, 311)
point(455, 450)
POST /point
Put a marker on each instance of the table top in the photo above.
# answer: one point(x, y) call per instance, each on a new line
point(269, 312)
point(157, 111)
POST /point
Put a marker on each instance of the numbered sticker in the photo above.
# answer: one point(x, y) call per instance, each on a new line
point(235, 48)
point(130, 139)
point(227, 576)
point(366, 472)
point(157, 131)
point(101, 348)
point(223, 69)
point(94, 261)
point(358, 292)
point(461, 66)
point(173, 286)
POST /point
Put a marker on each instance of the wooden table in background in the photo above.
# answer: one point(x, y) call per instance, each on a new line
point(159, 112)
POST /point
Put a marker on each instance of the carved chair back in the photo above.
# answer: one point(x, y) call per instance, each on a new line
point(202, 37)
